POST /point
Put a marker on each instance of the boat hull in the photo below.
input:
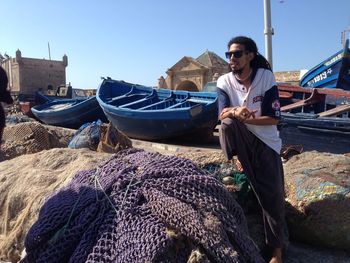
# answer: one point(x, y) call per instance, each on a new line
point(69, 113)
point(163, 127)
point(314, 121)
point(155, 114)
point(315, 139)
point(334, 72)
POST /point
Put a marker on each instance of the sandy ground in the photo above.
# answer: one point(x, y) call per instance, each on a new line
point(67, 164)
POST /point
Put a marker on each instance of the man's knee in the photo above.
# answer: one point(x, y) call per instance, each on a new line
point(228, 124)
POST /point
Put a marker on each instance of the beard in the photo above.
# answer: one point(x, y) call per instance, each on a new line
point(237, 71)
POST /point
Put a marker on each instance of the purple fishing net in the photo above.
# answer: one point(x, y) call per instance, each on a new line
point(141, 207)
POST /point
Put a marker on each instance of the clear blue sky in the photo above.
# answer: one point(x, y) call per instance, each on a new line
point(138, 40)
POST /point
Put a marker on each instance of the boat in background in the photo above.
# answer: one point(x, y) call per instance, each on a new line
point(316, 114)
point(27, 101)
point(148, 113)
point(334, 72)
point(318, 119)
point(210, 87)
point(69, 113)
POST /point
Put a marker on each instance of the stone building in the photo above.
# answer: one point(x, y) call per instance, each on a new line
point(192, 74)
point(27, 75)
point(289, 77)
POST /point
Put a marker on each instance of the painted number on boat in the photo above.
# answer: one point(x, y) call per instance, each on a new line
point(320, 77)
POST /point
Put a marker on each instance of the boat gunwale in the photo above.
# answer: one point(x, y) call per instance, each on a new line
point(313, 116)
point(323, 130)
point(36, 110)
point(325, 91)
point(210, 99)
point(112, 109)
point(69, 119)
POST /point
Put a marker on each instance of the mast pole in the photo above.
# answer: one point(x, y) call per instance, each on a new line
point(48, 46)
point(268, 31)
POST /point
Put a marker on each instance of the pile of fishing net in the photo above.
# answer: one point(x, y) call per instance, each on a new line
point(26, 181)
point(237, 184)
point(141, 207)
point(216, 164)
point(318, 192)
point(32, 137)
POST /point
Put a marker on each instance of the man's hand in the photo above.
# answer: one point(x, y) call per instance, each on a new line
point(240, 113)
point(227, 113)
point(243, 113)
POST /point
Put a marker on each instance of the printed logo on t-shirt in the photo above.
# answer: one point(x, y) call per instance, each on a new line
point(276, 105)
point(258, 98)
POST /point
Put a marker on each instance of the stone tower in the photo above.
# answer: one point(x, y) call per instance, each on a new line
point(27, 75)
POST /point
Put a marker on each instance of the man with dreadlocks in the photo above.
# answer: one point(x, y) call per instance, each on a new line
point(5, 96)
point(249, 111)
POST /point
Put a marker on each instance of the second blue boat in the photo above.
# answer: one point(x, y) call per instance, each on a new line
point(69, 113)
point(153, 114)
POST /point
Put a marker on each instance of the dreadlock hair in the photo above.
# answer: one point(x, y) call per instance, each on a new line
point(259, 61)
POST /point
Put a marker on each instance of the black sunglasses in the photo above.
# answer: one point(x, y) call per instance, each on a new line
point(236, 54)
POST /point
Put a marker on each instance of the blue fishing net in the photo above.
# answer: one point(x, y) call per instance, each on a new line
point(141, 207)
point(87, 136)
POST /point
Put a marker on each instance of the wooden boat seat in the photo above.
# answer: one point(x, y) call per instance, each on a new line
point(137, 103)
point(176, 105)
point(335, 111)
point(184, 104)
point(198, 101)
point(111, 100)
point(315, 97)
point(158, 105)
point(285, 94)
point(123, 100)
point(115, 98)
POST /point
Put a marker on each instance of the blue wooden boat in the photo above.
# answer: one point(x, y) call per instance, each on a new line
point(27, 101)
point(148, 113)
point(334, 72)
point(69, 113)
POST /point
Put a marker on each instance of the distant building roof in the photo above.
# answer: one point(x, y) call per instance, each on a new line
point(210, 59)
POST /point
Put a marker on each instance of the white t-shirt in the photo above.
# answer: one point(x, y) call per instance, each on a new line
point(253, 98)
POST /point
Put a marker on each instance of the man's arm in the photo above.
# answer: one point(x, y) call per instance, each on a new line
point(263, 120)
point(270, 109)
point(223, 101)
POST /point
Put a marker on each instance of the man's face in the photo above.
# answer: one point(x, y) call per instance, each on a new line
point(239, 58)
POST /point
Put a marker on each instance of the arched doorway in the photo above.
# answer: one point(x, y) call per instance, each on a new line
point(187, 85)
